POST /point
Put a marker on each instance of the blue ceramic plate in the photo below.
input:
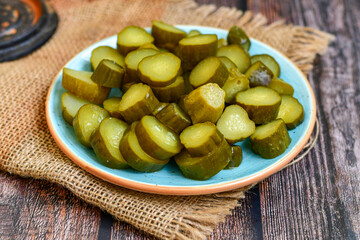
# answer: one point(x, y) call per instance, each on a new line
point(169, 180)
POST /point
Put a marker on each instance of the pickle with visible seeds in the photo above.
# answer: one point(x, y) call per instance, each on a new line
point(192, 50)
point(172, 92)
point(268, 61)
point(235, 124)
point(270, 140)
point(131, 38)
point(259, 75)
point(156, 139)
point(105, 142)
point(205, 103)
point(236, 157)
point(209, 70)
point(282, 87)
point(70, 105)
point(201, 138)
point(237, 36)
point(261, 103)
point(108, 74)
point(193, 33)
point(106, 52)
point(159, 107)
point(166, 35)
point(227, 62)
point(291, 111)
point(135, 156)
point(235, 83)
point(204, 167)
point(137, 102)
point(80, 84)
point(112, 106)
point(159, 70)
point(237, 55)
point(174, 117)
point(86, 121)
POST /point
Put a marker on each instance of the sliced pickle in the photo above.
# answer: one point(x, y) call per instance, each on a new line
point(193, 33)
point(237, 36)
point(132, 37)
point(132, 61)
point(237, 55)
point(86, 121)
point(159, 107)
point(291, 111)
point(268, 61)
point(105, 142)
point(188, 87)
point(174, 117)
point(261, 103)
point(106, 52)
point(70, 105)
point(283, 88)
point(172, 92)
point(236, 157)
point(181, 103)
point(135, 156)
point(227, 62)
point(270, 140)
point(166, 35)
point(259, 75)
point(159, 70)
point(235, 124)
point(149, 45)
point(204, 167)
point(112, 106)
point(201, 138)
point(205, 103)
point(222, 42)
point(156, 139)
point(235, 83)
point(137, 102)
point(108, 74)
point(192, 50)
point(80, 84)
point(209, 70)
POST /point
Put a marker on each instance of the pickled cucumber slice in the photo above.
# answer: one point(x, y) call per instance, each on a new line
point(105, 142)
point(192, 50)
point(172, 92)
point(111, 105)
point(222, 42)
point(227, 62)
point(209, 70)
point(236, 157)
point(201, 138)
point(149, 45)
point(204, 167)
point(137, 102)
point(80, 84)
point(259, 75)
point(237, 36)
point(205, 103)
point(291, 111)
point(86, 121)
point(261, 103)
point(108, 74)
point(237, 55)
point(156, 139)
point(135, 156)
point(166, 35)
point(235, 83)
point(132, 61)
point(159, 107)
point(235, 124)
point(159, 70)
point(193, 33)
point(132, 37)
point(70, 105)
point(268, 61)
point(270, 140)
point(174, 117)
point(283, 88)
point(105, 52)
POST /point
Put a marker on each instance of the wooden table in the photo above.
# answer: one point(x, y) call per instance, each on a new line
point(318, 198)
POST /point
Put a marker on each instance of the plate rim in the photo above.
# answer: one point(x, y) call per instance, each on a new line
point(183, 190)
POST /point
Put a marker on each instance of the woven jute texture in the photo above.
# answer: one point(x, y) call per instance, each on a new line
point(27, 148)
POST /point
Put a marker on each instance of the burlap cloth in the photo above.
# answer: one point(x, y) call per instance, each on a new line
point(27, 148)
